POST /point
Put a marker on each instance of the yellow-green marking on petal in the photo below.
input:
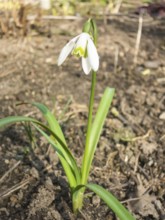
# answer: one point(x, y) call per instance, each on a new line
point(79, 51)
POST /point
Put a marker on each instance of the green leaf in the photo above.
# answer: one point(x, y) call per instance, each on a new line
point(111, 201)
point(68, 169)
point(60, 149)
point(53, 123)
point(13, 119)
point(55, 127)
point(96, 130)
point(65, 156)
point(100, 118)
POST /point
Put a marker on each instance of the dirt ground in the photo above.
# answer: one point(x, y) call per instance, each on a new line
point(129, 160)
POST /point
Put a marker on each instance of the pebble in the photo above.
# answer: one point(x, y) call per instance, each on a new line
point(55, 214)
point(150, 163)
point(96, 200)
point(7, 161)
point(162, 116)
point(49, 184)
point(152, 64)
point(34, 172)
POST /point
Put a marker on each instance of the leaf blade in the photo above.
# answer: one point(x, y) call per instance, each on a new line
point(55, 127)
point(111, 201)
point(68, 169)
point(61, 148)
point(53, 123)
point(13, 119)
point(96, 131)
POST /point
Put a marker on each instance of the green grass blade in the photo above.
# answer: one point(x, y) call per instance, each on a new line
point(111, 201)
point(96, 131)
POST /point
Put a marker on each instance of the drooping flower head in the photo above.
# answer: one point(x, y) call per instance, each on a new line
point(82, 46)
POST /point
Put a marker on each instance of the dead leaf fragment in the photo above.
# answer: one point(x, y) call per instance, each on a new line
point(144, 206)
point(147, 147)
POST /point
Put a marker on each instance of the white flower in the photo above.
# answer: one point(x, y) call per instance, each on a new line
point(83, 46)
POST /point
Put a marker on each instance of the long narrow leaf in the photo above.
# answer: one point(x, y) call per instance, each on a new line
point(55, 127)
point(96, 131)
point(13, 119)
point(68, 170)
point(100, 118)
point(62, 150)
point(111, 201)
point(53, 123)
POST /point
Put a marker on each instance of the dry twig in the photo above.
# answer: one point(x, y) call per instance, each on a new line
point(14, 188)
point(138, 38)
point(9, 171)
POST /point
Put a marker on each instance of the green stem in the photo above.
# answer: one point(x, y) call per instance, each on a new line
point(85, 170)
point(77, 199)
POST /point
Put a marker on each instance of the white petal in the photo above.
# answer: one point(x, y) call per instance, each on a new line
point(86, 65)
point(66, 50)
point(81, 44)
point(93, 55)
point(82, 40)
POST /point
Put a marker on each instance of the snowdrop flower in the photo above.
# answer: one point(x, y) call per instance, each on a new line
point(82, 46)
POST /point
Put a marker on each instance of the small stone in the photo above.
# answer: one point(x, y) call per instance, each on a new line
point(7, 161)
point(126, 159)
point(146, 72)
point(49, 60)
point(55, 214)
point(13, 200)
point(162, 116)
point(34, 173)
point(152, 64)
point(96, 200)
point(150, 163)
point(49, 184)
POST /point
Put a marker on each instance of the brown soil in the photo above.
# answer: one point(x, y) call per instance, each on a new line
point(129, 160)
